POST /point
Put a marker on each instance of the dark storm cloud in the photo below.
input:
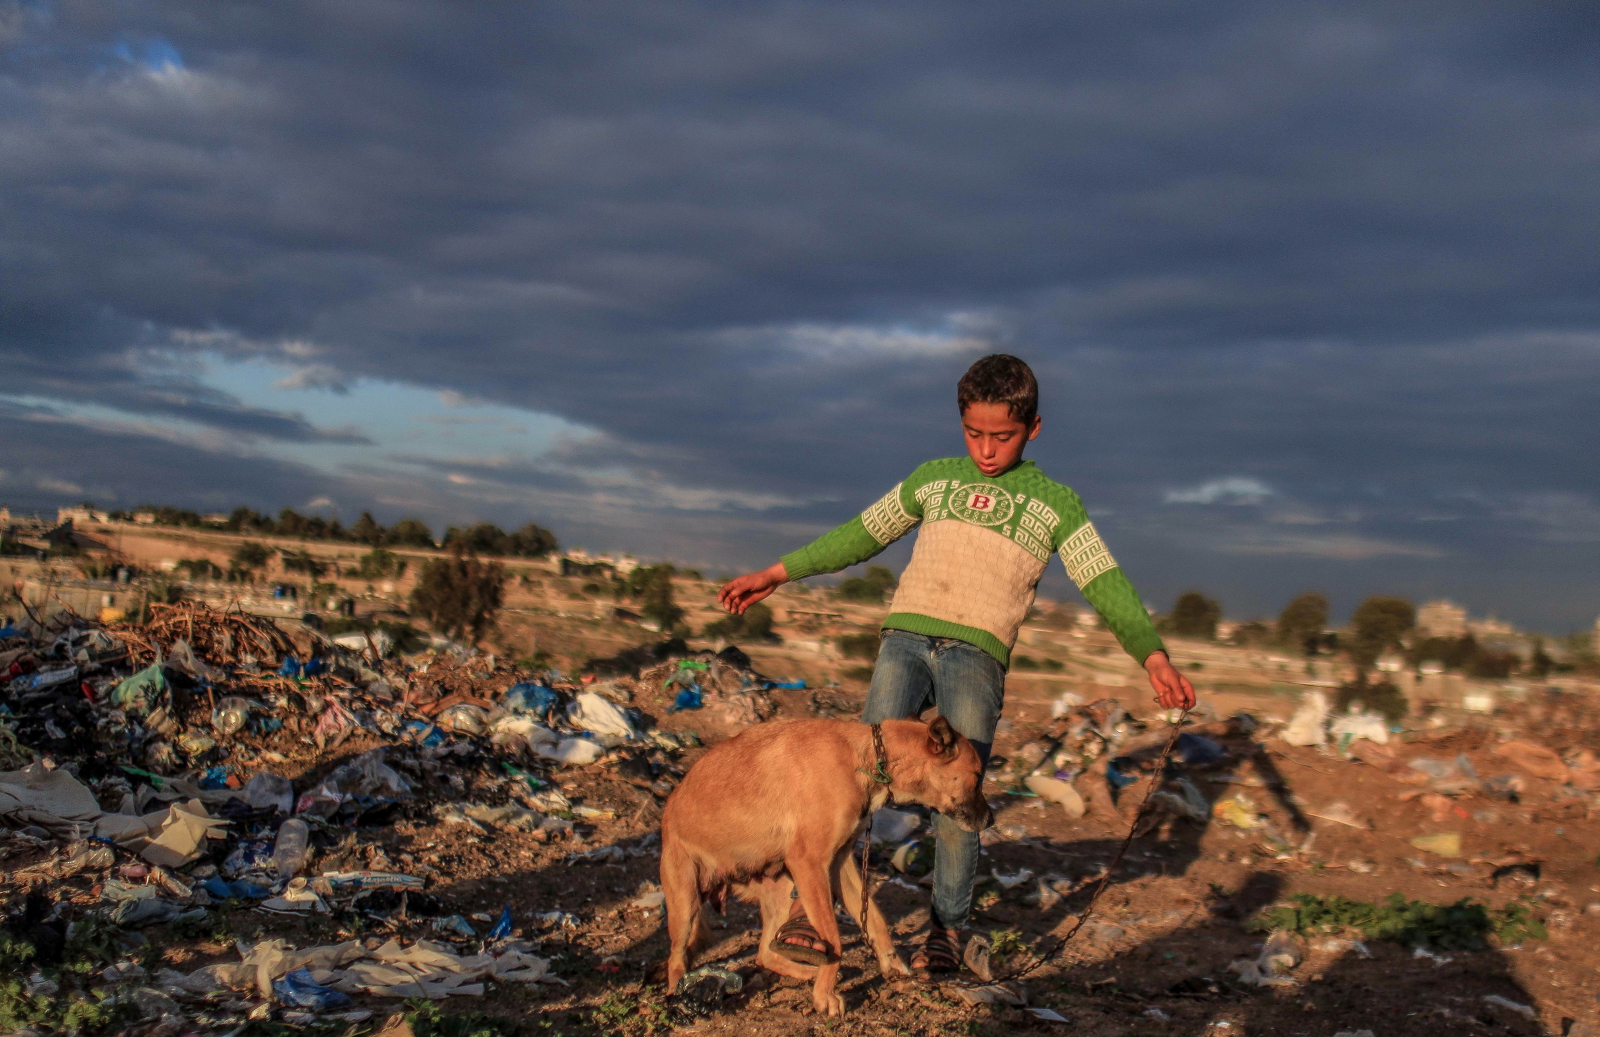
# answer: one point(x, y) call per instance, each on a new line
point(1342, 250)
point(67, 462)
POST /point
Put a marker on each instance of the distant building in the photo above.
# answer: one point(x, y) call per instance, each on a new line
point(577, 561)
point(144, 518)
point(81, 515)
point(1490, 627)
point(1442, 619)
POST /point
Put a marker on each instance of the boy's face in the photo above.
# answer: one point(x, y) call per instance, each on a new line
point(994, 438)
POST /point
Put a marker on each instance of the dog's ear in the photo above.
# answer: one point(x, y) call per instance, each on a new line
point(942, 738)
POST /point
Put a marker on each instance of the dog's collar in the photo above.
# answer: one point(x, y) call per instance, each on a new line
point(880, 771)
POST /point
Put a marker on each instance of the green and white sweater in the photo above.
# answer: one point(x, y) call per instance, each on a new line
point(984, 545)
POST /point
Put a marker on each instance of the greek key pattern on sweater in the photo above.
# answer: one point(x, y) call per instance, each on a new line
point(984, 543)
point(1085, 555)
point(888, 520)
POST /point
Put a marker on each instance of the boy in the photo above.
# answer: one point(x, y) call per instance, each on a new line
point(990, 522)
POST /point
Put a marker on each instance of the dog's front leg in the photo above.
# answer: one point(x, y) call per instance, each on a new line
point(875, 927)
point(812, 875)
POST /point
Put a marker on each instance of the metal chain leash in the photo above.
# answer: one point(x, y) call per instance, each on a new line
point(881, 776)
point(1105, 880)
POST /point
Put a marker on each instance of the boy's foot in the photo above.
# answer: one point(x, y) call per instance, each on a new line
point(799, 942)
point(940, 951)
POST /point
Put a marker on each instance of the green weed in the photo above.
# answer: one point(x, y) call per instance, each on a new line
point(427, 1019)
point(1464, 925)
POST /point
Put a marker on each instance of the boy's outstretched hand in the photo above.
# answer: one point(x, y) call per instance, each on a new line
point(741, 592)
point(1172, 688)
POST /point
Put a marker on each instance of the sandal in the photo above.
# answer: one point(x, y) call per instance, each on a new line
point(798, 928)
point(940, 952)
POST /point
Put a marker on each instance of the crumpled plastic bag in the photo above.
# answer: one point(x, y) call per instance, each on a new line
point(463, 718)
point(142, 690)
point(170, 838)
point(181, 657)
point(1346, 729)
point(1306, 725)
point(1281, 954)
point(530, 697)
point(48, 797)
point(572, 752)
point(265, 789)
point(601, 717)
point(894, 826)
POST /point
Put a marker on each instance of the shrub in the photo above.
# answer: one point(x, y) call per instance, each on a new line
point(858, 646)
point(869, 588)
point(1381, 697)
point(754, 625)
point(1194, 615)
point(379, 563)
point(460, 595)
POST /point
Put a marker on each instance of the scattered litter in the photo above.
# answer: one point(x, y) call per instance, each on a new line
point(1307, 725)
point(1526, 1011)
point(894, 826)
point(1442, 844)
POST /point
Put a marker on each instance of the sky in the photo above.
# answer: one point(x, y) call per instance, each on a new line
point(1311, 289)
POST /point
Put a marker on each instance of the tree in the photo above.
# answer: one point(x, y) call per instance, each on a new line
point(1377, 625)
point(530, 541)
point(379, 563)
point(533, 541)
point(1195, 615)
point(1302, 621)
point(652, 586)
point(409, 532)
point(366, 530)
point(303, 562)
point(249, 556)
point(870, 587)
point(1541, 663)
point(460, 595)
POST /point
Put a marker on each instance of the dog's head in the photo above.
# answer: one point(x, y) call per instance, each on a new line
point(946, 773)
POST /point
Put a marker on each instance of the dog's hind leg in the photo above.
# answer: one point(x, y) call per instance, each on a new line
point(680, 884)
point(775, 900)
point(848, 878)
point(813, 877)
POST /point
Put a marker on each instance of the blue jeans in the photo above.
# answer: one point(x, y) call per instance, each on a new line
point(968, 685)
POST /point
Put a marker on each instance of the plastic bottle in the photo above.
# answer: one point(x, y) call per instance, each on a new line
point(230, 716)
point(292, 849)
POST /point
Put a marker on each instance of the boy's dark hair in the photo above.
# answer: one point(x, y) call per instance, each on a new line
point(1001, 378)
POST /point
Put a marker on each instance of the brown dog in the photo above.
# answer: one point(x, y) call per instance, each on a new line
point(779, 807)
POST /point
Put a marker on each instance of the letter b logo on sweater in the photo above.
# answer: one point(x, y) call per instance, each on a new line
point(982, 504)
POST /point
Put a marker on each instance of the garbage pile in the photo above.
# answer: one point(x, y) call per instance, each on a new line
point(142, 783)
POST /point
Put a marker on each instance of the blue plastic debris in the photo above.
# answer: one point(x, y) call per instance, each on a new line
point(293, 667)
point(1198, 750)
point(427, 735)
point(787, 685)
point(214, 778)
point(457, 925)
point(222, 889)
point(688, 698)
point(530, 697)
point(502, 926)
point(1115, 774)
point(300, 990)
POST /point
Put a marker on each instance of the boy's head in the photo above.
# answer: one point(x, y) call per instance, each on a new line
point(999, 401)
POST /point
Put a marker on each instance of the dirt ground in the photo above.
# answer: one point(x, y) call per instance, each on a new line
point(1153, 960)
point(1156, 958)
